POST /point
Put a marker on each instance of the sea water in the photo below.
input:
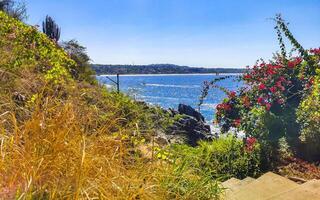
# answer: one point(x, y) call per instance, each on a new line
point(168, 91)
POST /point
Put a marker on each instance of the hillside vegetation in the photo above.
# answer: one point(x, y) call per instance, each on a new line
point(159, 69)
point(62, 138)
point(66, 137)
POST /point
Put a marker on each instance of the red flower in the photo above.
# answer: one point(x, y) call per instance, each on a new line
point(268, 106)
point(247, 76)
point(279, 84)
point(315, 51)
point(260, 100)
point(271, 72)
point(232, 94)
point(224, 106)
point(294, 63)
point(237, 122)
point(262, 86)
point(273, 89)
point(291, 64)
point(281, 79)
point(311, 81)
point(250, 142)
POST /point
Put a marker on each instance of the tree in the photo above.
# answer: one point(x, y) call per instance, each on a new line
point(79, 54)
point(15, 9)
point(51, 29)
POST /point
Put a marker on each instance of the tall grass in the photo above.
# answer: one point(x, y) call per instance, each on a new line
point(51, 156)
point(62, 138)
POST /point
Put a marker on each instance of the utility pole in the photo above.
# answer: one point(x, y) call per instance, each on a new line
point(118, 84)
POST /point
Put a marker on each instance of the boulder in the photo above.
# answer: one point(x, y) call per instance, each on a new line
point(188, 110)
point(190, 127)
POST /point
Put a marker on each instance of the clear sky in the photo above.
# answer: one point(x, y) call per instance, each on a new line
point(206, 33)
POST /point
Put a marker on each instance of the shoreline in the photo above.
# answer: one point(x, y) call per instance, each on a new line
point(190, 74)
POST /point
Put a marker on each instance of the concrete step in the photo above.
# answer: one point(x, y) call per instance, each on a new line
point(232, 185)
point(307, 191)
point(262, 188)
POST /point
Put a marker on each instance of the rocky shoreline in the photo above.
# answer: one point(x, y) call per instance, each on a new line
point(189, 127)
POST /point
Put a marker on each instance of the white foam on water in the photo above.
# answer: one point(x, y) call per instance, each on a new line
point(109, 86)
point(172, 86)
point(209, 105)
point(156, 97)
point(193, 74)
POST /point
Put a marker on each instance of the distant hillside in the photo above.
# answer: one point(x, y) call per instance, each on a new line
point(159, 69)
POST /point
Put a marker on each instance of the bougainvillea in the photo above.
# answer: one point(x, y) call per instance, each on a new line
point(266, 106)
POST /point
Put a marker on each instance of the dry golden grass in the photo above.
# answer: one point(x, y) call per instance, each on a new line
point(51, 157)
point(62, 138)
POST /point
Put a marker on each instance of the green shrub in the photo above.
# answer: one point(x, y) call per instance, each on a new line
point(195, 172)
point(280, 98)
point(222, 158)
point(309, 117)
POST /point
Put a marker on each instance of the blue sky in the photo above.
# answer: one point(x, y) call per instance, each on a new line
point(206, 33)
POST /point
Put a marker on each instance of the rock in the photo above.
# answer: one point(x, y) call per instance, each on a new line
point(172, 112)
point(188, 110)
point(190, 128)
point(161, 138)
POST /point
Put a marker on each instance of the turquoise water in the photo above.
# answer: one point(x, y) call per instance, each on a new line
point(168, 91)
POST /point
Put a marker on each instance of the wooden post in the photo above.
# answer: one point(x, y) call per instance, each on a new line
point(118, 84)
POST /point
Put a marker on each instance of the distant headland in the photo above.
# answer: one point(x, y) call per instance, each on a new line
point(159, 69)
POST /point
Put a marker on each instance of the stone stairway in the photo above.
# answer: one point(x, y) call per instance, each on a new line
point(270, 186)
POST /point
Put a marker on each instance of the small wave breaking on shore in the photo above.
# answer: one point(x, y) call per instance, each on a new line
point(171, 86)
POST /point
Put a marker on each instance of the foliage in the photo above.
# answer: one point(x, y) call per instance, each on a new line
point(62, 138)
point(159, 69)
point(77, 52)
point(222, 158)
point(266, 108)
point(309, 118)
point(16, 9)
point(51, 29)
point(197, 171)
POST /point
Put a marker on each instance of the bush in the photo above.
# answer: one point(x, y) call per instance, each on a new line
point(196, 171)
point(222, 158)
point(280, 98)
point(309, 118)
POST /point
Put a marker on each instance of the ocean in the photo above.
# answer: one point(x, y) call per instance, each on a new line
point(169, 90)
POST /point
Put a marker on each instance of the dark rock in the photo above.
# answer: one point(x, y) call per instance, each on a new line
point(188, 110)
point(172, 112)
point(188, 130)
